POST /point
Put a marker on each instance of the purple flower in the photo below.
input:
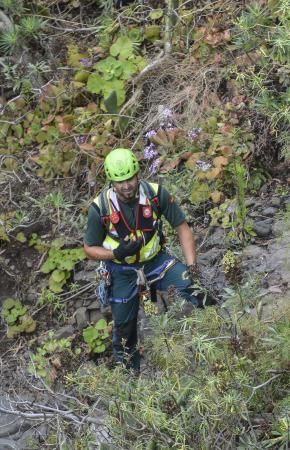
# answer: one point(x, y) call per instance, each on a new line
point(80, 139)
point(153, 169)
point(150, 151)
point(203, 165)
point(194, 133)
point(166, 113)
point(85, 62)
point(150, 133)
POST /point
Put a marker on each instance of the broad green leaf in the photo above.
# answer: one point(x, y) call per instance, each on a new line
point(111, 103)
point(140, 62)
point(66, 264)
point(128, 69)
point(56, 245)
point(20, 237)
point(28, 324)
point(101, 324)
point(90, 334)
point(135, 35)
point(9, 303)
point(48, 266)
point(58, 276)
point(119, 87)
point(156, 14)
point(55, 287)
point(152, 32)
point(110, 68)
point(81, 76)
point(100, 349)
point(3, 234)
point(123, 47)
point(95, 83)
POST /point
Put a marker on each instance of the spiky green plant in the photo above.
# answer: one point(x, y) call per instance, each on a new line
point(279, 41)
point(31, 26)
point(12, 7)
point(10, 40)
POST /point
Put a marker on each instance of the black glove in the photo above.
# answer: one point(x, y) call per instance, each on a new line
point(193, 272)
point(127, 248)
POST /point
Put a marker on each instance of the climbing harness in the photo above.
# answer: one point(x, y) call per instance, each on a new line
point(145, 283)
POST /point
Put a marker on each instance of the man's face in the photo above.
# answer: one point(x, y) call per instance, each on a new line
point(127, 190)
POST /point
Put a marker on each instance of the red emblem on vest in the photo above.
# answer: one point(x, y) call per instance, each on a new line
point(114, 217)
point(147, 212)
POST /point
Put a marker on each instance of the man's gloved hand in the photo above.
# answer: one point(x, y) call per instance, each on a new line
point(193, 272)
point(127, 248)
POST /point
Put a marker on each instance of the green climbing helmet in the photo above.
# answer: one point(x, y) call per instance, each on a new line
point(121, 164)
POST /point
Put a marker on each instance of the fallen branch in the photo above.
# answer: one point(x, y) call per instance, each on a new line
point(260, 386)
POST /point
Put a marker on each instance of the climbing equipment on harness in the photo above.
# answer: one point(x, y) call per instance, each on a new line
point(103, 288)
point(148, 224)
point(144, 282)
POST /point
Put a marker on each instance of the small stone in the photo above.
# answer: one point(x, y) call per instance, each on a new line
point(78, 303)
point(250, 202)
point(262, 229)
point(95, 316)
point(278, 228)
point(29, 264)
point(82, 318)
point(216, 239)
point(287, 200)
point(64, 332)
point(254, 214)
point(276, 202)
point(270, 211)
point(94, 305)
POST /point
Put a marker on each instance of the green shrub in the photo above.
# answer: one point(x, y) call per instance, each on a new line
point(96, 336)
point(17, 319)
point(60, 263)
point(207, 377)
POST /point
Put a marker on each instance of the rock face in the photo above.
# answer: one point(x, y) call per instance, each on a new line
point(268, 255)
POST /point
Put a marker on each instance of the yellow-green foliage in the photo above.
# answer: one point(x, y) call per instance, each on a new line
point(16, 317)
point(96, 336)
point(112, 72)
point(47, 359)
point(60, 262)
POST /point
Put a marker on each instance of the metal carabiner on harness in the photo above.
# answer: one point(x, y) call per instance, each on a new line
point(102, 290)
point(104, 273)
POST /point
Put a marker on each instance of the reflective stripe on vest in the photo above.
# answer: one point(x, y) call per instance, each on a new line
point(112, 240)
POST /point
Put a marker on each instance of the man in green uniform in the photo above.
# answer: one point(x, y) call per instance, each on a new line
point(124, 231)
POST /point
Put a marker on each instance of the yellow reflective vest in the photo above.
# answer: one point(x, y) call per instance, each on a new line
point(147, 223)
